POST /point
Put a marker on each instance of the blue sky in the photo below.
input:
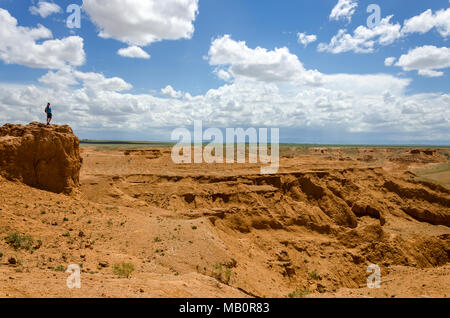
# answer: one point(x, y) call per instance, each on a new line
point(336, 89)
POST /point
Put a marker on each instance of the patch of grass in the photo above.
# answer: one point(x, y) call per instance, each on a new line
point(314, 275)
point(228, 273)
point(17, 241)
point(221, 275)
point(157, 239)
point(123, 269)
point(67, 234)
point(65, 219)
point(194, 227)
point(298, 293)
point(59, 268)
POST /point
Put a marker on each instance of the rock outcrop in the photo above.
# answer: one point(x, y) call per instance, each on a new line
point(44, 157)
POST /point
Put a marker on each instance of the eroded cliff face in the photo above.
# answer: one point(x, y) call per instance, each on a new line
point(41, 156)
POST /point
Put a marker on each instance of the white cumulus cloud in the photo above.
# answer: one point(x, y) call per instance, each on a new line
point(142, 22)
point(223, 75)
point(45, 9)
point(389, 61)
point(426, 60)
point(59, 79)
point(99, 82)
point(169, 91)
point(24, 46)
point(426, 21)
point(344, 10)
point(133, 52)
point(363, 39)
point(366, 40)
point(278, 65)
point(305, 39)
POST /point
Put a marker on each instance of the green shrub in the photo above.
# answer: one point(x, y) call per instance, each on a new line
point(298, 293)
point(59, 268)
point(123, 269)
point(314, 275)
point(17, 241)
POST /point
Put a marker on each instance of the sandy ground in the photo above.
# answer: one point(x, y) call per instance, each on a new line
point(311, 230)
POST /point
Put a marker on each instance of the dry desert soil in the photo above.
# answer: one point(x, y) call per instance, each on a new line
point(141, 226)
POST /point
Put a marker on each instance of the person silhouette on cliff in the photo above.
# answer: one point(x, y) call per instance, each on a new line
point(48, 111)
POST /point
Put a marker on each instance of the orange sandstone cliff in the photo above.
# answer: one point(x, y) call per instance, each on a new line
point(44, 157)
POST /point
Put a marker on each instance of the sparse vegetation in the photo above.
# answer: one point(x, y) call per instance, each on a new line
point(59, 268)
point(17, 241)
point(123, 269)
point(221, 275)
point(157, 239)
point(314, 275)
point(228, 273)
point(298, 293)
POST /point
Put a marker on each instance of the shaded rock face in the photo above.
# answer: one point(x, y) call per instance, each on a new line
point(41, 156)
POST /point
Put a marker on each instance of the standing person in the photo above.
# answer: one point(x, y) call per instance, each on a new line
point(48, 111)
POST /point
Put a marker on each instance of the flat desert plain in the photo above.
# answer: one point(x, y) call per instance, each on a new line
point(141, 226)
